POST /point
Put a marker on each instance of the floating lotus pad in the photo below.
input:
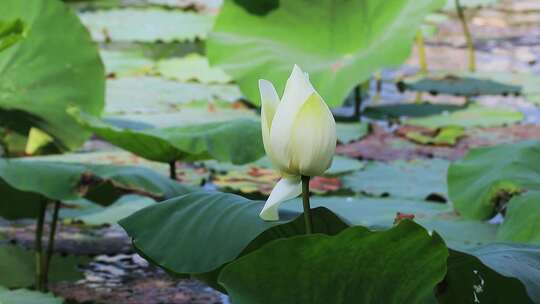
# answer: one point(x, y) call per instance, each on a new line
point(347, 132)
point(458, 85)
point(192, 67)
point(157, 95)
point(146, 25)
point(419, 179)
point(413, 110)
point(474, 115)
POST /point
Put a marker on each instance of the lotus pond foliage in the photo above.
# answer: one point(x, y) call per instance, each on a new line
point(130, 121)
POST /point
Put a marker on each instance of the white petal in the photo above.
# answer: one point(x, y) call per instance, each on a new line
point(286, 189)
point(269, 99)
point(313, 139)
point(269, 103)
point(297, 91)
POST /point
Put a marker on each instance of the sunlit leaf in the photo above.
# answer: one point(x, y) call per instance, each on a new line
point(339, 43)
point(481, 184)
point(45, 72)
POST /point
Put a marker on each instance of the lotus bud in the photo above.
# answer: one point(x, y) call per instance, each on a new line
point(299, 136)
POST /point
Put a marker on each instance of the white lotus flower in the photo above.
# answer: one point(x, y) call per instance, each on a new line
point(299, 135)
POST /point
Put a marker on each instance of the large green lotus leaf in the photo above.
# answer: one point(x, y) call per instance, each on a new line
point(108, 157)
point(483, 181)
point(514, 260)
point(339, 43)
point(91, 214)
point(17, 267)
point(458, 85)
point(45, 72)
point(170, 234)
point(238, 141)
point(400, 265)
point(192, 67)
point(497, 273)
point(473, 116)
point(130, 24)
point(11, 32)
point(379, 213)
point(414, 180)
point(25, 296)
point(522, 219)
point(158, 95)
point(25, 183)
point(176, 117)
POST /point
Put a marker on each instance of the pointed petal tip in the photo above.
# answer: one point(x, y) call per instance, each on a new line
point(264, 82)
point(269, 215)
point(297, 70)
point(268, 93)
point(285, 189)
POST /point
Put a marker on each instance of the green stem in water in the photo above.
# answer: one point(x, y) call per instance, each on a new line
point(172, 170)
point(307, 208)
point(468, 37)
point(50, 247)
point(38, 245)
point(421, 52)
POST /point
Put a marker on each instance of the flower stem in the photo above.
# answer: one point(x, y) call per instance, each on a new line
point(307, 208)
point(468, 37)
point(172, 170)
point(50, 247)
point(38, 245)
